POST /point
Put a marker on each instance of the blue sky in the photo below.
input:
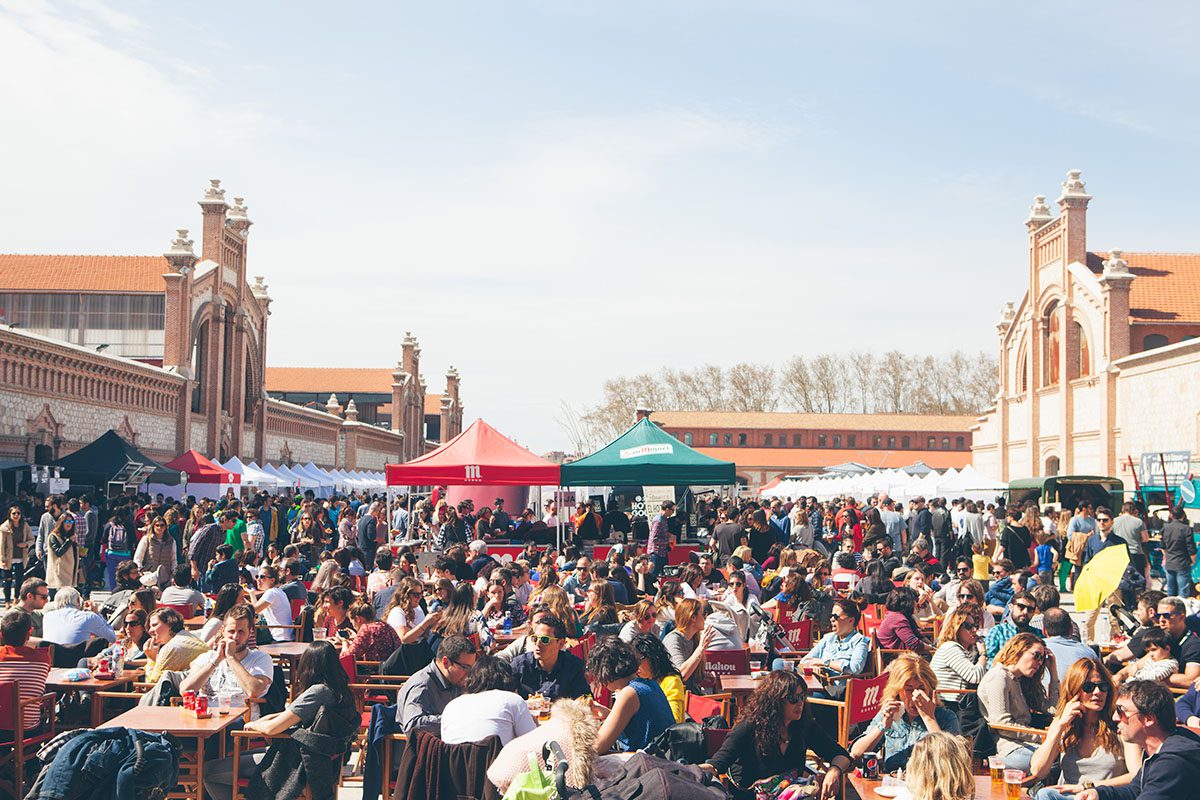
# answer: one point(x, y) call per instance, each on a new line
point(550, 193)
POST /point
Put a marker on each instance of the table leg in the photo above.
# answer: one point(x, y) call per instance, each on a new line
point(200, 742)
point(237, 758)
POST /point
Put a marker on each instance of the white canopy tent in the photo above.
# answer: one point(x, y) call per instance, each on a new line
point(252, 476)
point(895, 483)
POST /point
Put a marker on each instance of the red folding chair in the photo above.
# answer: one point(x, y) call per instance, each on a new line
point(702, 706)
point(185, 610)
point(727, 662)
point(15, 754)
point(798, 635)
point(863, 698)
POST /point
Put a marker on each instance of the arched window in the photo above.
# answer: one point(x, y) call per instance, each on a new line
point(1079, 360)
point(1155, 340)
point(1052, 466)
point(1051, 345)
point(687, 439)
point(199, 368)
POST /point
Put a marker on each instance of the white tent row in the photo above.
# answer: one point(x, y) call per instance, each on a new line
point(323, 482)
point(897, 484)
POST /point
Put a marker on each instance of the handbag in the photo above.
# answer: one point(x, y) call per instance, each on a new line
point(536, 784)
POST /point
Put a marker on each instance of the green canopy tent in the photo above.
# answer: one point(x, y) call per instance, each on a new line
point(646, 455)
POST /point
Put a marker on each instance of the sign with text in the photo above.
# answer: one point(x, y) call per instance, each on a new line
point(654, 496)
point(1178, 467)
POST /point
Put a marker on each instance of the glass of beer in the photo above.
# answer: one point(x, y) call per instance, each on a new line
point(996, 769)
point(1012, 784)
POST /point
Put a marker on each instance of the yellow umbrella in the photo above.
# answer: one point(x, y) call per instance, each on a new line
point(1100, 577)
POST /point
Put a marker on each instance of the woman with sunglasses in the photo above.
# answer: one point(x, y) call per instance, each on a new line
point(743, 606)
point(155, 554)
point(959, 661)
point(1082, 739)
point(642, 618)
point(774, 733)
point(15, 537)
point(61, 555)
point(1011, 693)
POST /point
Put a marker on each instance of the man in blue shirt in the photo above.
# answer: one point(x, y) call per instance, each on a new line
point(1022, 609)
point(546, 669)
point(1057, 625)
point(844, 649)
point(1103, 537)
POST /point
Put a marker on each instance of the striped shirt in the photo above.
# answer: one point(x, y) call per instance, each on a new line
point(29, 667)
point(955, 669)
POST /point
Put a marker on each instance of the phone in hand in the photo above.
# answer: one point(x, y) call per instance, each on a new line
point(345, 634)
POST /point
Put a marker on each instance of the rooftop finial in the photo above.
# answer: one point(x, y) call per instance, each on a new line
point(214, 194)
point(1073, 187)
point(1039, 212)
point(181, 245)
point(1115, 266)
point(238, 212)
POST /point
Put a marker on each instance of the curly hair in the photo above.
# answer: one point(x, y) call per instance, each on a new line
point(648, 646)
point(964, 612)
point(1078, 673)
point(766, 706)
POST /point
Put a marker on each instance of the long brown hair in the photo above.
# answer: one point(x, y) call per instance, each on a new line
point(1077, 674)
point(765, 709)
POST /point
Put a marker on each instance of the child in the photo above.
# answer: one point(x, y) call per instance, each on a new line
point(1156, 665)
point(981, 563)
point(222, 569)
point(1046, 556)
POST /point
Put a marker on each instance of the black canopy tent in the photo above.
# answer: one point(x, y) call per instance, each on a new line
point(112, 459)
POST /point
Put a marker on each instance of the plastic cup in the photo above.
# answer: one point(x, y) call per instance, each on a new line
point(1012, 784)
point(996, 769)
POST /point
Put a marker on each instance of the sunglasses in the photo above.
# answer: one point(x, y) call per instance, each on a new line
point(970, 626)
point(415, 594)
point(1038, 655)
point(966, 596)
point(1125, 713)
point(133, 622)
point(543, 640)
point(1026, 607)
point(795, 698)
point(1087, 687)
point(1166, 614)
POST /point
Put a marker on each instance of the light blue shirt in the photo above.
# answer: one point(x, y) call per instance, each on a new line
point(901, 735)
point(851, 651)
point(73, 626)
point(1067, 652)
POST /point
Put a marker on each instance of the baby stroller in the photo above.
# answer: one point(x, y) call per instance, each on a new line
point(536, 784)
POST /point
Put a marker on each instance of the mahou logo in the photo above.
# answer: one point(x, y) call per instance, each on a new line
point(473, 473)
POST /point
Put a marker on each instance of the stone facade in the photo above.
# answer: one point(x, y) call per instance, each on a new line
point(1097, 358)
point(208, 394)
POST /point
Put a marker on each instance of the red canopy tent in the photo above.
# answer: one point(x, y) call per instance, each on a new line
point(478, 455)
point(200, 470)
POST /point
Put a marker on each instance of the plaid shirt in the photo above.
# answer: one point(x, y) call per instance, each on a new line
point(660, 536)
point(81, 530)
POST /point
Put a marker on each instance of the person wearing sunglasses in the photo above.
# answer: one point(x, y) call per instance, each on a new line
point(959, 661)
point(1011, 693)
point(547, 669)
point(424, 696)
point(774, 733)
point(1172, 618)
point(1021, 611)
point(1082, 739)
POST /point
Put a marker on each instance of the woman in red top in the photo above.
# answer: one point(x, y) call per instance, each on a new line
point(898, 630)
point(373, 641)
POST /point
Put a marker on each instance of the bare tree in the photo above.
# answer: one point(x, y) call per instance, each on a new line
point(752, 388)
point(796, 386)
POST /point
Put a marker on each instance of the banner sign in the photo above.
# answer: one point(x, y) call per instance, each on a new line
point(1178, 463)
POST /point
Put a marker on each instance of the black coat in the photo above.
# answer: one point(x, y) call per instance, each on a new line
point(311, 757)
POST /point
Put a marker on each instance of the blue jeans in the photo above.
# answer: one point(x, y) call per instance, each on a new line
point(1052, 794)
point(1178, 582)
point(656, 564)
point(1019, 759)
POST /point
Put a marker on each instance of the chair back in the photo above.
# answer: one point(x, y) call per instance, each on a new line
point(798, 635)
point(700, 707)
point(864, 696)
point(10, 705)
point(296, 606)
point(185, 610)
point(727, 662)
point(350, 668)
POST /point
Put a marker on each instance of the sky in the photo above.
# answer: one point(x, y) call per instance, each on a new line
point(549, 194)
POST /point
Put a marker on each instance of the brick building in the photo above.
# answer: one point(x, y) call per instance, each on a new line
point(1099, 360)
point(171, 352)
point(772, 444)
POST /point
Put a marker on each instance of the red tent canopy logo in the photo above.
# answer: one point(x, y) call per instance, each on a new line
point(473, 473)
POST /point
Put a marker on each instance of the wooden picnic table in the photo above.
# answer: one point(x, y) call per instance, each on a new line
point(56, 681)
point(195, 623)
point(180, 722)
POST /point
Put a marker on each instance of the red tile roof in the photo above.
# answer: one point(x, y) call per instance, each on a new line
point(336, 380)
point(1167, 286)
point(778, 419)
point(107, 274)
point(798, 457)
point(433, 404)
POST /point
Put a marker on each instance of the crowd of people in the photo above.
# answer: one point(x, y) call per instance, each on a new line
point(962, 601)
